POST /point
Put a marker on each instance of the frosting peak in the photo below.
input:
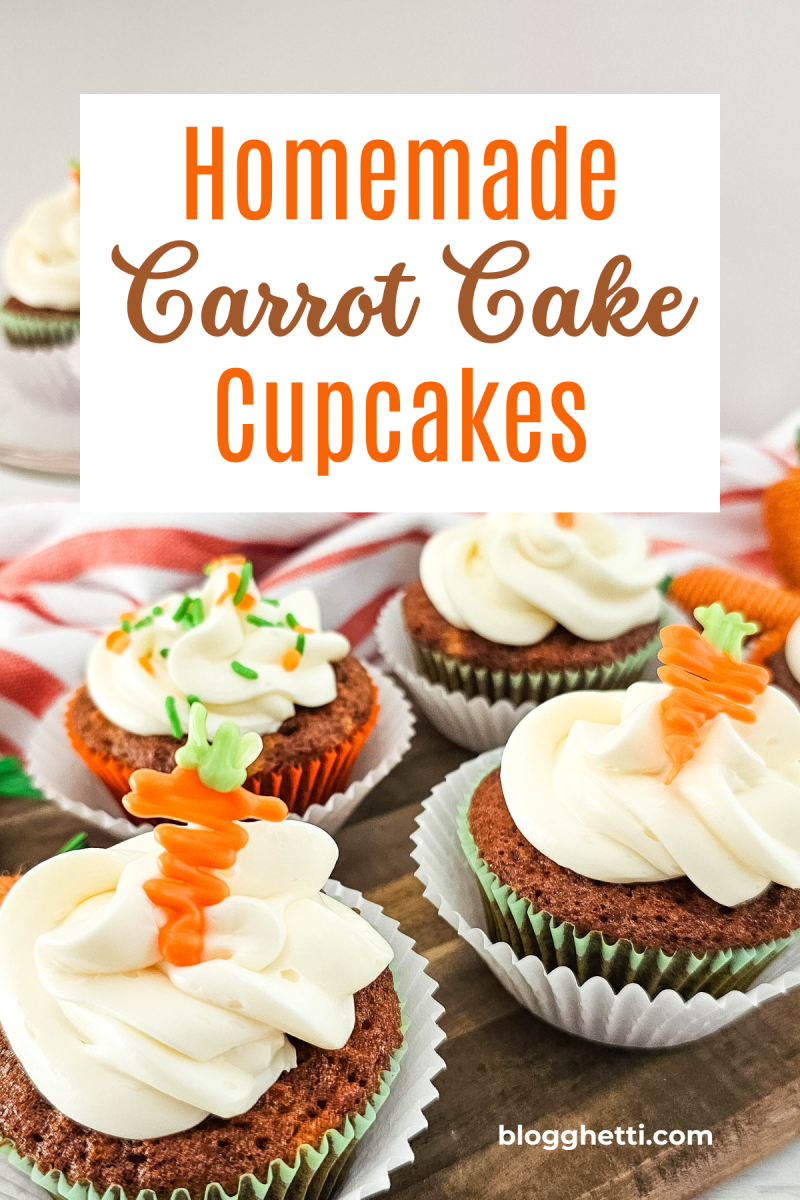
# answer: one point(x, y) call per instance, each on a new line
point(247, 658)
point(42, 264)
point(584, 777)
point(126, 1043)
point(512, 577)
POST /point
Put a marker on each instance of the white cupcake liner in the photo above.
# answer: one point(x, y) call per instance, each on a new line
point(64, 777)
point(474, 723)
point(592, 1010)
point(385, 1146)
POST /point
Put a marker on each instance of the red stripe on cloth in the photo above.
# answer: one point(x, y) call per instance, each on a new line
point(663, 546)
point(33, 605)
point(9, 747)
point(27, 684)
point(739, 495)
point(168, 549)
point(759, 561)
point(350, 554)
point(361, 623)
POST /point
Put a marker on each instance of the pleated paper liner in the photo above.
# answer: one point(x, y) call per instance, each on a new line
point(314, 1175)
point(521, 687)
point(528, 930)
point(312, 783)
point(30, 332)
point(317, 1171)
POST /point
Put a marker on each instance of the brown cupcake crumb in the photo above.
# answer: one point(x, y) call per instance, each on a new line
point(13, 305)
point(559, 651)
point(324, 1087)
point(673, 914)
point(305, 736)
point(782, 677)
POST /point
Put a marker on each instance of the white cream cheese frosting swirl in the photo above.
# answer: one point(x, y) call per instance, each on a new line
point(792, 650)
point(512, 577)
point(123, 1042)
point(583, 778)
point(232, 660)
point(42, 264)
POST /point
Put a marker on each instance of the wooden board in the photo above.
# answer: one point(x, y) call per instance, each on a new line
point(506, 1067)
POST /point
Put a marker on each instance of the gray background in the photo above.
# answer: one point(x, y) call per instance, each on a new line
point(747, 50)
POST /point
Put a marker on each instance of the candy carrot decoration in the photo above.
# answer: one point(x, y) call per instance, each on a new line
point(564, 520)
point(707, 678)
point(204, 790)
point(782, 519)
point(775, 609)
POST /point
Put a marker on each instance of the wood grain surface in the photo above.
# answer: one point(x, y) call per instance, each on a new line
point(506, 1067)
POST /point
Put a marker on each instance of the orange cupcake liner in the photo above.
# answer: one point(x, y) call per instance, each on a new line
point(316, 781)
point(312, 783)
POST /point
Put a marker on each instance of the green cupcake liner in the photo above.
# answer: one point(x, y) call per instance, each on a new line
point(519, 687)
point(528, 930)
point(314, 1174)
point(31, 332)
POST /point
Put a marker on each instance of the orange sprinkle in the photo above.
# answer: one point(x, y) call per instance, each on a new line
point(187, 883)
point(565, 520)
point(774, 608)
point(145, 662)
point(117, 641)
point(246, 603)
point(233, 583)
point(6, 884)
point(704, 682)
point(234, 560)
point(291, 659)
point(128, 616)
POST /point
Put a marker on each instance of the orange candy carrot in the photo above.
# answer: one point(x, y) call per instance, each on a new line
point(707, 678)
point(782, 519)
point(203, 790)
point(773, 608)
point(565, 520)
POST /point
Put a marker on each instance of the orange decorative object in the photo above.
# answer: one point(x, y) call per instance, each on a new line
point(291, 660)
point(247, 602)
point(565, 520)
point(782, 519)
point(234, 560)
point(117, 641)
point(146, 663)
point(774, 608)
point(6, 884)
point(233, 583)
point(187, 883)
point(705, 682)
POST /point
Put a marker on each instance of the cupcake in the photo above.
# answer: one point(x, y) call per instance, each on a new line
point(523, 606)
point(650, 835)
point(42, 272)
point(201, 1016)
point(264, 663)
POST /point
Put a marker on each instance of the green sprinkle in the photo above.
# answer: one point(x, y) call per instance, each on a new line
point(174, 719)
point(291, 620)
point(244, 583)
point(126, 625)
point(300, 644)
point(192, 699)
point(245, 672)
point(79, 842)
point(144, 621)
point(267, 600)
point(164, 652)
point(665, 584)
point(196, 609)
point(182, 608)
point(157, 611)
point(254, 620)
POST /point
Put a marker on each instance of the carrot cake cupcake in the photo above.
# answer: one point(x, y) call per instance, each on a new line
point(527, 605)
point(264, 663)
point(188, 1007)
point(42, 272)
point(650, 835)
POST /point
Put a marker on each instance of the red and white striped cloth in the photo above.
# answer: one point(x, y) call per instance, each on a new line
point(65, 576)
